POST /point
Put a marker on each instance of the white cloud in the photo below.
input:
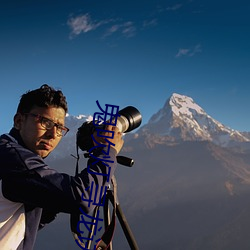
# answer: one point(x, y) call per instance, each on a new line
point(127, 29)
point(182, 52)
point(150, 23)
point(174, 7)
point(189, 52)
point(83, 24)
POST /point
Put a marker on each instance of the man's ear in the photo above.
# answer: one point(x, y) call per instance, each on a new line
point(18, 119)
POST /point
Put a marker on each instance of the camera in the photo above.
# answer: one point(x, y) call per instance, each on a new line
point(129, 119)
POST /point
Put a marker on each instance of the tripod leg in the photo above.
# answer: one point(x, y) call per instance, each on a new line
point(125, 226)
point(107, 215)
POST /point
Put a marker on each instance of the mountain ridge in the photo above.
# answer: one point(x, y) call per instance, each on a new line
point(182, 119)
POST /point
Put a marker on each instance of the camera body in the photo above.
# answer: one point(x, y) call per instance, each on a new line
point(129, 119)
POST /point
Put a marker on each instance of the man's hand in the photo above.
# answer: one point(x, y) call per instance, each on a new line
point(117, 138)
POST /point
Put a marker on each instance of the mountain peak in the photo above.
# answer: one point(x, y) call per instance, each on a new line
point(182, 104)
point(182, 119)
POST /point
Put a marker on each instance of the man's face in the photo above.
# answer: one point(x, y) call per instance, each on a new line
point(35, 137)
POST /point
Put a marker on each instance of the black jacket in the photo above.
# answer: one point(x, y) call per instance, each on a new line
point(33, 190)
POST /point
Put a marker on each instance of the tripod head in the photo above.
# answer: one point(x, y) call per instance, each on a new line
point(122, 160)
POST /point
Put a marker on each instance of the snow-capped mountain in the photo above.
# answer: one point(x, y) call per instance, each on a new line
point(182, 119)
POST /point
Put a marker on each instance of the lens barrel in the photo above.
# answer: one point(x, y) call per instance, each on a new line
point(129, 119)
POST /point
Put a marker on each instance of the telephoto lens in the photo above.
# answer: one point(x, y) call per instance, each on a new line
point(129, 119)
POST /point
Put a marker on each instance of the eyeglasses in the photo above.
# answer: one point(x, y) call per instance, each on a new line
point(49, 124)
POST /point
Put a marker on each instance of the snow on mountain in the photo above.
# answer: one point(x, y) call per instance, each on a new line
point(182, 119)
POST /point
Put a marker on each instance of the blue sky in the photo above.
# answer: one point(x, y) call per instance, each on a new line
point(128, 53)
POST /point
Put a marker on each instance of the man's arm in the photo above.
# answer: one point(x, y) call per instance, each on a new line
point(32, 182)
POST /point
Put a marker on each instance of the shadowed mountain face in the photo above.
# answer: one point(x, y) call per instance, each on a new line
point(186, 190)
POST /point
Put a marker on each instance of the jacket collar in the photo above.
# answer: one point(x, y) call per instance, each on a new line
point(16, 135)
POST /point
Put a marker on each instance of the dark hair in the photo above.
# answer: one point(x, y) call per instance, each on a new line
point(45, 96)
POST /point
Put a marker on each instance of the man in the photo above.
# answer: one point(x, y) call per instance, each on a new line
point(30, 192)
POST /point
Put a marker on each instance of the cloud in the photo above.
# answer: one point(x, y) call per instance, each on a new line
point(174, 7)
point(182, 52)
point(150, 23)
point(189, 52)
point(197, 49)
point(127, 29)
point(83, 24)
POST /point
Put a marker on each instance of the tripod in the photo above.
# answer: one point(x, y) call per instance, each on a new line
point(106, 240)
point(112, 197)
